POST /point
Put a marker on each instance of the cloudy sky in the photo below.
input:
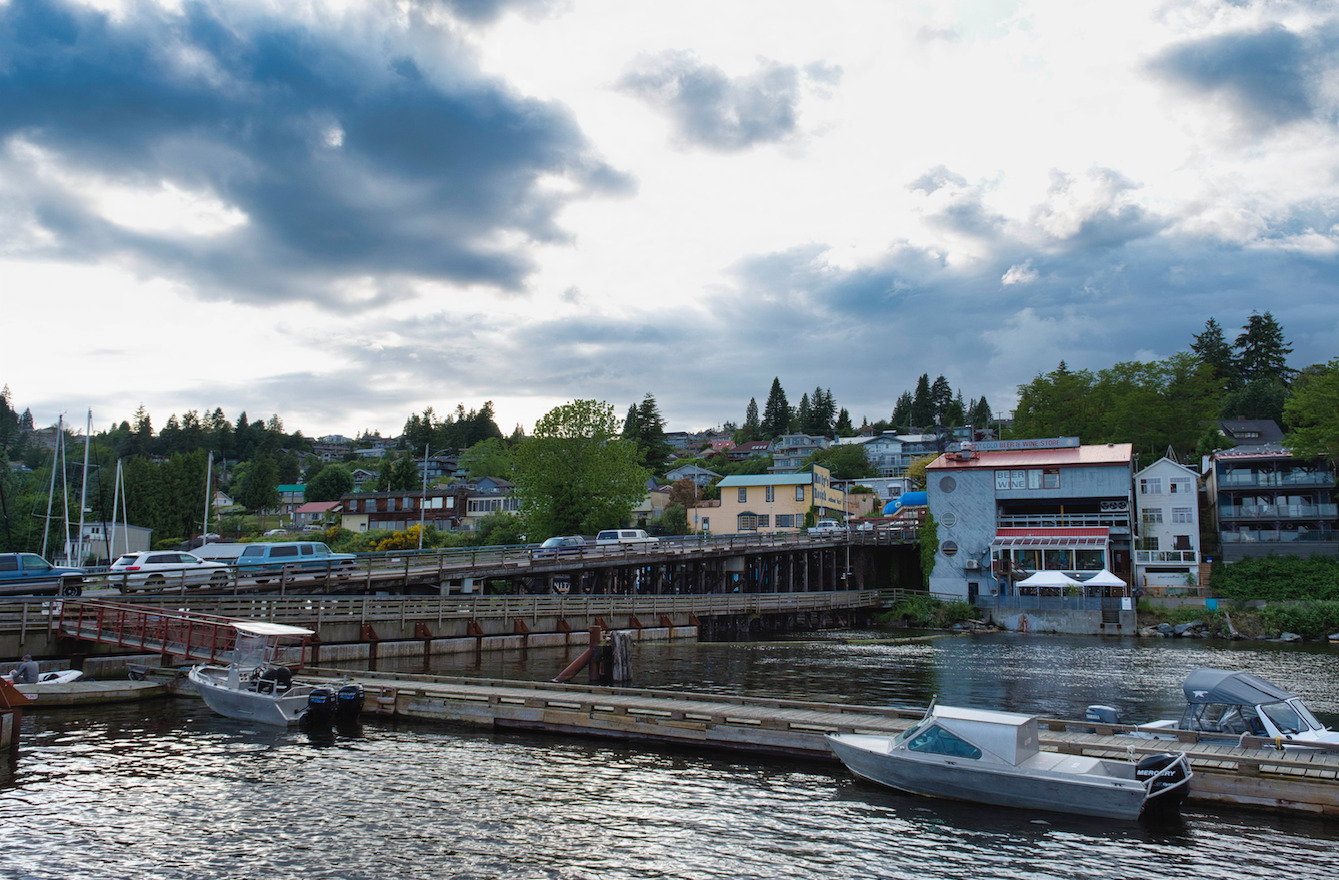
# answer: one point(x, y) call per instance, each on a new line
point(344, 212)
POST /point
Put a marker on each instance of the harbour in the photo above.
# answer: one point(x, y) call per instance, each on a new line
point(422, 798)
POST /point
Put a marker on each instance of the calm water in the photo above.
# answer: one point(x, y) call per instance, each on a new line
point(167, 790)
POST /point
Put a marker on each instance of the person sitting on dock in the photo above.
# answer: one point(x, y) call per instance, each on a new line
point(27, 671)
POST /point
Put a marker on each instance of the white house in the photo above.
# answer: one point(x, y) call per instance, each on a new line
point(1167, 551)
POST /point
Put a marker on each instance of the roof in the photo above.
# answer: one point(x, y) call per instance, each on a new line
point(291, 488)
point(1075, 456)
point(318, 507)
point(767, 480)
point(1259, 430)
point(1096, 536)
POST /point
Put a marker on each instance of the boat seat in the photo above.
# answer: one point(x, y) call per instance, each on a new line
point(1066, 763)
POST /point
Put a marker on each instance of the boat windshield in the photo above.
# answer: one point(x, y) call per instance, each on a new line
point(939, 741)
point(912, 731)
point(1291, 716)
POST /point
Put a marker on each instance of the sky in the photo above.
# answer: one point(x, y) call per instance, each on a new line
point(346, 212)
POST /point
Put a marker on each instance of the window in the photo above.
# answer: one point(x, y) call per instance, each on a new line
point(743, 495)
point(1181, 515)
point(1150, 486)
point(1179, 486)
point(1034, 479)
point(939, 741)
point(1149, 543)
point(764, 520)
point(748, 522)
point(1181, 542)
point(1017, 479)
point(799, 493)
point(785, 520)
point(1153, 515)
point(1001, 480)
point(770, 493)
point(1050, 478)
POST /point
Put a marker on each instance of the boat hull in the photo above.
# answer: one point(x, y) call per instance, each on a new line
point(246, 703)
point(1081, 794)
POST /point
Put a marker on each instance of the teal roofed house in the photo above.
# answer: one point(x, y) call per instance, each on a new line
point(291, 497)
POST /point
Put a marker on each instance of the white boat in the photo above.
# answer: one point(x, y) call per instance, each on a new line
point(60, 676)
point(255, 686)
point(994, 758)
point(1226, 705)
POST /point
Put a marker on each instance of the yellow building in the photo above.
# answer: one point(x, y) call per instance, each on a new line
point(762, 504)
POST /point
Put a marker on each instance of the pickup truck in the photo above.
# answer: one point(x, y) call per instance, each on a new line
point(27, 574)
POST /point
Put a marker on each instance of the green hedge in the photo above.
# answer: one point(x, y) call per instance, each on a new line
point(1278, 578)
point(926, 612)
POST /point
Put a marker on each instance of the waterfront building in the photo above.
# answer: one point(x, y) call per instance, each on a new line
point(442, 508)
point(1006, 509)
point(1167, 550)
point(1266, 500)
point(766, 503)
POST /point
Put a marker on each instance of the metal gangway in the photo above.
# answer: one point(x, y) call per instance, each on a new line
point(185, 635)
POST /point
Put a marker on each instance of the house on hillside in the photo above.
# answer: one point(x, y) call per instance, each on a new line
point(766, 503)
point(700, 476)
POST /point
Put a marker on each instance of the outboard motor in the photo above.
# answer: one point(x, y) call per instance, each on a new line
point(349, 703)
point(1103, 715)
point(275, 680)
point(320, 706)
point(1170, 787)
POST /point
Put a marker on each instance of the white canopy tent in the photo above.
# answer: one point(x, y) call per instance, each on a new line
point(1048, 579)
point(1104, 578)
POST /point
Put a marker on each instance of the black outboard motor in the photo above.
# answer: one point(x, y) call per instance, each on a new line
point(349, 703)
point(320, 706)
point(1103, 715)
point(274, 680)
point(1171, 785)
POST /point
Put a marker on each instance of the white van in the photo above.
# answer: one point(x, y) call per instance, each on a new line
point(624, 536)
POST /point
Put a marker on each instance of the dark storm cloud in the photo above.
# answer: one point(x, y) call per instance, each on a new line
point(1270, 76)
point(347, 162)
point(712, 110)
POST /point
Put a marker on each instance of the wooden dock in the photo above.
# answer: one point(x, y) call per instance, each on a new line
point(1305, 781)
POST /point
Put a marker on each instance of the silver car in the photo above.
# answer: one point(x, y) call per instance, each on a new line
point(165, 570)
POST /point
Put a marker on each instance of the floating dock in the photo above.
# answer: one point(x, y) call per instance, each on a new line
point(89, 693)
point(1255, 775)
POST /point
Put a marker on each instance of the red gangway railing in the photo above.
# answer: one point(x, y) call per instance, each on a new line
point(204, 638)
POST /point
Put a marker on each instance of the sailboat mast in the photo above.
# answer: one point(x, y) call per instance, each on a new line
point(46, 527)
point(83, 493)
point(209, 473)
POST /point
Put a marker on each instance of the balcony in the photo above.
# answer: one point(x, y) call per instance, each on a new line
point(1276, 536)
point(1154, 557)
point(1116, 522)
point(1280, 511)
point(1266, 480)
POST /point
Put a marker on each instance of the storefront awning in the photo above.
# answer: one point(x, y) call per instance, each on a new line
point(1060, 537)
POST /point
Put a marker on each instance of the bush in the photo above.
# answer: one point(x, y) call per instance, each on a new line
point(927, 612)
point(1278, 578)
point(1307, 619)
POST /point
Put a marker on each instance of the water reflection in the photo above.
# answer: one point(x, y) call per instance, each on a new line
point(168, 790)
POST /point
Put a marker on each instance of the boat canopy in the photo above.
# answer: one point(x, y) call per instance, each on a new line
point(1009, 736)
point(1234, 688)
point(264, 628)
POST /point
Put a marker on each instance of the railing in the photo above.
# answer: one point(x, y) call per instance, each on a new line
point(1276, 536)
point(1147, 556)
point(24, 615)
point(1065, 521)
point(1049, 603)
point(1266, 480)
point(1279, 511)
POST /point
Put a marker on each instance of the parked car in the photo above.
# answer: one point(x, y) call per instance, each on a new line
point(263, 561)
point(272, 532)
point(559, 545)
point(27, 574)
point(624, 536)
point(158, 570)
point(827, 527)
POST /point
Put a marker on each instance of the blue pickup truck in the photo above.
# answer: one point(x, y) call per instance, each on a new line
point(27, 574)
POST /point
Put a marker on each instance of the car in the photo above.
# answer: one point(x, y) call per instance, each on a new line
point(827, 527)
point(272, 532)
point(559, 545)
point(161, 569)
point(624, 536)
point(27, 574)
point(282, 558)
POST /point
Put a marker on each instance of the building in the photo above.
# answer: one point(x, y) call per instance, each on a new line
point(291, 497)
point(1006, 509)
point(443, 509)
point(98, 543)
point(791, 451)
point(317, 513)
point(892, 453)
point(749, 449)
point(767, 503)
point(1265, 500)
point(1167, 549)
point(700, 476)
point(488, 496)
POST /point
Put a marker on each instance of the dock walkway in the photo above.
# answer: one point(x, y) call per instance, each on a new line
point(1256, 774)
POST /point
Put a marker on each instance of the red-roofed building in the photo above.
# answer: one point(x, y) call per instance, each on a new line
point(1008, 509)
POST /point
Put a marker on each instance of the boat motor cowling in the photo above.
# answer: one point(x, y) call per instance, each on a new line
point(349, 702)
point(320, 706)
point(1170, 770)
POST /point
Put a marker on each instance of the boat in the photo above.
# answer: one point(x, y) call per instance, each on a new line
point(255, 686)
point(59, 676)
point(994, 758)
point(1226, 705)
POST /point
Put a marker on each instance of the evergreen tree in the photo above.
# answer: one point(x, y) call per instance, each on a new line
point(650, 434)
point(902, 411)
point(1262, 352)
point(824, 411)
point(922, 406)
point(843, 427)
point(752, 429)
point(956, 414)
point(1211, 347)
point(776, 414)
point(941, 399)
point(804, 414)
